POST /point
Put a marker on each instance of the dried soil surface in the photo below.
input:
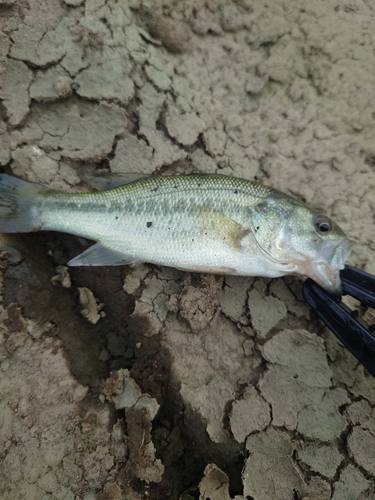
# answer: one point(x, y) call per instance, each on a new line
point(135, 383)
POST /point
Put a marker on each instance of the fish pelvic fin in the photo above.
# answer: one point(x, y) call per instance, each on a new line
point(20, 204)
point(99, 255)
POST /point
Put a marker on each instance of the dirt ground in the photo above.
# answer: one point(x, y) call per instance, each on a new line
point(150, 383)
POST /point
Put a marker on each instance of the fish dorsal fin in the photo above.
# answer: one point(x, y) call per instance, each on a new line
point(109, 180)
point(99, 255)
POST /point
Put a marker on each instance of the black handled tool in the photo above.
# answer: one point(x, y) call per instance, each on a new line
point(354, 334)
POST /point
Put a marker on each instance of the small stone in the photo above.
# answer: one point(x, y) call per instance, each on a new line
point(172, 33)
point(128, 395)
point(51, 84)
point(91, 308)
point(215, 484)
point(80, 392)
point(62, 277)
point(104, 355)
point(248, 347)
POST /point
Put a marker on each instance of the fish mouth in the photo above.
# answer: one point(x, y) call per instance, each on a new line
point(326, 271)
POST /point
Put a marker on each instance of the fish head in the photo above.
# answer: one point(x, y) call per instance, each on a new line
point(305, 242)
point(319, 247)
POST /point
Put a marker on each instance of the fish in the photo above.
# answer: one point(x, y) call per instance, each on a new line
point(198, 222)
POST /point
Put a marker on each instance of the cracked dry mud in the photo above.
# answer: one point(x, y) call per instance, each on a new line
point(133, 383)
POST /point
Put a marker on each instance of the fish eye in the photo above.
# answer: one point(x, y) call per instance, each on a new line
point(322, 224)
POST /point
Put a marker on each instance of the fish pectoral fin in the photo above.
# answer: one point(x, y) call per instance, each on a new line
point(220, 227)
point(109, 180)
point(99, 255)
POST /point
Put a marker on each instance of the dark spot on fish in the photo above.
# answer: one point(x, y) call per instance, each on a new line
point(149, 224)
point(192, 239)
point(154, 189)
point(175, 186)
point(116, 217)
point(235, 191)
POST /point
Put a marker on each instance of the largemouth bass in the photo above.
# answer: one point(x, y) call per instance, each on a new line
point(201, 223)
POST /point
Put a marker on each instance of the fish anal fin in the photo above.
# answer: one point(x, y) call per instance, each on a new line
point(99, 255)
point(110, 180)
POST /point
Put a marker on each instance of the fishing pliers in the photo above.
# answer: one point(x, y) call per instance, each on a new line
point(344, 323)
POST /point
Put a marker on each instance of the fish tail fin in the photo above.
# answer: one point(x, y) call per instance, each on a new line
point(19, 202)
